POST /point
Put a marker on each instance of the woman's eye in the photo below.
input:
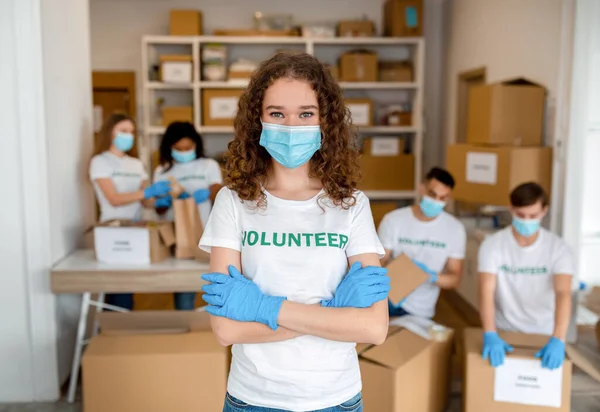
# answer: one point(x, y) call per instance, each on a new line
point(278, 115)
point(306, 115)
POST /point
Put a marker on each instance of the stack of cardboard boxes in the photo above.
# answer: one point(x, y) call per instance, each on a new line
point(504, 143)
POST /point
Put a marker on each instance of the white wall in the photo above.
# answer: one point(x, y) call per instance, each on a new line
point(45, 106)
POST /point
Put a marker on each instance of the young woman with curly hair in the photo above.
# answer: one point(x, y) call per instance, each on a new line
point(291, 220)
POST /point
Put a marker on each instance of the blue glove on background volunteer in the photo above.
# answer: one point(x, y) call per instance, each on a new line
point(360, 288)
point(552, 354)
point(157, 189)
point(238, 298)
point(433, 276)
point(495, 348)
point(163, 202)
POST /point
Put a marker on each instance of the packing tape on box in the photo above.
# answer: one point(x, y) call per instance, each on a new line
point(425, 328)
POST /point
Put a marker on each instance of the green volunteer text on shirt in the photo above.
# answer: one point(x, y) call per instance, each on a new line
point(524, 270)
point(422, 242)
point(191, 177)
point(126, 174)
point(323, 239)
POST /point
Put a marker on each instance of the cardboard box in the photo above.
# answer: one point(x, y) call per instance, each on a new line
point(383, 146)
point(395, 71)
point(176, 68)
point(403, 18)
point(154, 362)
point(387, 172)
point(598, 333)
point(521, 383)
point(361, 111)
point(486, 175)
point(356, 28)
point(128, 242)
point(406, 373)
point(380, 209)
point(358, 66)
point(507, 113)
point(185, 23)
point(335, 72)
point(219, 106)
point(172, 114)
point(405, 277)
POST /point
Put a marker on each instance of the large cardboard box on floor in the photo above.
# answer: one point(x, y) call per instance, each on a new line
point(154, 362)
point(521, 384)
point(410, 371)
point(486, 175)
point(507, 113)
point(129, 242)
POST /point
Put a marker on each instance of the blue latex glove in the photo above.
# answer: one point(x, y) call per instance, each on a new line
point(184, 195)
point(494, 348)
point(238, 298)
point(360, 288)
point(163, 202)
point(201, 195)
point(157, 189)
point(553, 354)
point(433, 276)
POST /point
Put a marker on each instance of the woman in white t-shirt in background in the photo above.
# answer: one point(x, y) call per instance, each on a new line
point(120, 181)
point(182, 157)
point(285, 229)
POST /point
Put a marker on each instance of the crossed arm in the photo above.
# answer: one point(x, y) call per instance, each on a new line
point(367, 325)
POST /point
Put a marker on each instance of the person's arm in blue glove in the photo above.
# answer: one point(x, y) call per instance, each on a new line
point(157, 189)
point(360, 288)
point(164, 202)
point(552, 354)
point(449, 278)
point(107, 186)
point(494, 349)
point(201, 195)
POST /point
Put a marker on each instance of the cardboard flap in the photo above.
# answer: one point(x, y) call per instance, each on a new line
point(397, 350)
point(167, 234)
point(523, 340)
point(520, 81)
point(405, 277)
point(153, 322)
point(582, 362)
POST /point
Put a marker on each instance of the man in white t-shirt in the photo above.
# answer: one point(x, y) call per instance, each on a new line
point(525, 280)
point(432, 238)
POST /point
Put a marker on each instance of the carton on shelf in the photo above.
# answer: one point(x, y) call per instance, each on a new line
point(383, 146)
point(395, 71)
point(509, 113)
point(486, 175)
point(170, 114)
point(154, 361)
point(403, 18)
point(387, 172)
point(219, 106)
point(128, 242)
point(520, 385)
point(185, 23)
point(358, 66)
point(356, 28)
point(176, 68)
point(361, 111)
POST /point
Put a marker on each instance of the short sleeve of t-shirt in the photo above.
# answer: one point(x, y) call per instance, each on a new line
point(563, 260)
point(386, 232)
point(213, 172)
point(142, 170)
point(222, 228)
point(488, 257)
point(158, 174)
point(100, 168)
point(459, 243)
point(363, 236)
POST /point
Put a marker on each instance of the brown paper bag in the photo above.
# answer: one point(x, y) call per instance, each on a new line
point(188, 230)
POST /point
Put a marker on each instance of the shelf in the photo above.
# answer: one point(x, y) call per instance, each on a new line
point(223, 85)
point(367, 40)
point(166, 39)
point(215, 129)
point(387, 129)
point(390, 194)
point(155, 129)
point(169, 39)
point(378, 85)
point(168, 86)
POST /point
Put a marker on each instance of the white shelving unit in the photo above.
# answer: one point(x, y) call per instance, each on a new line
point(390, 48)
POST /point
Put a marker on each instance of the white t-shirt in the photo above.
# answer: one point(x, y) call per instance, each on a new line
point(525, 289)
point(197, 174)
point(431, 243)
point(127, 174)
point(298, 250)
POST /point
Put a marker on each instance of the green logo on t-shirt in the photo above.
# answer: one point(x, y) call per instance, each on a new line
point(126, 174)
point(531, 270)
point(192, 177)
point(254, 238)
point(422, 242)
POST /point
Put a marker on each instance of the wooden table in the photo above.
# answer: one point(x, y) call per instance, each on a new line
point(79, 272)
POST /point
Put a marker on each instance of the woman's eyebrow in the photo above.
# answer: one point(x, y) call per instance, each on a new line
point(272, 107)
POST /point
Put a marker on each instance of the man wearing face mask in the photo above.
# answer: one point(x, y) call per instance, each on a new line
point(432, 238)
point(525, 280)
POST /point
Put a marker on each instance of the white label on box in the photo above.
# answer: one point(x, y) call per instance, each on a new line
point(176, 72)
point(129, 245)
point(482, 168)
point(385, 146)
point(360, 113)
point(524, 381)
point(223, 107)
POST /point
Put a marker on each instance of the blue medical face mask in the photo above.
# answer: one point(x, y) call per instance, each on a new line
point(526, 227)
point(183, 157)
point(431, 207)
point(123, 141)
point(290, 146)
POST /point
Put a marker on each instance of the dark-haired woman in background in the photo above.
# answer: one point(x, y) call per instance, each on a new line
point(182, 157)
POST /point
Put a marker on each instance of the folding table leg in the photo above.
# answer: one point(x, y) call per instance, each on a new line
point(79, 344)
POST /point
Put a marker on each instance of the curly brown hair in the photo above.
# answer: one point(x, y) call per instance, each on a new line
point(335, 163)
